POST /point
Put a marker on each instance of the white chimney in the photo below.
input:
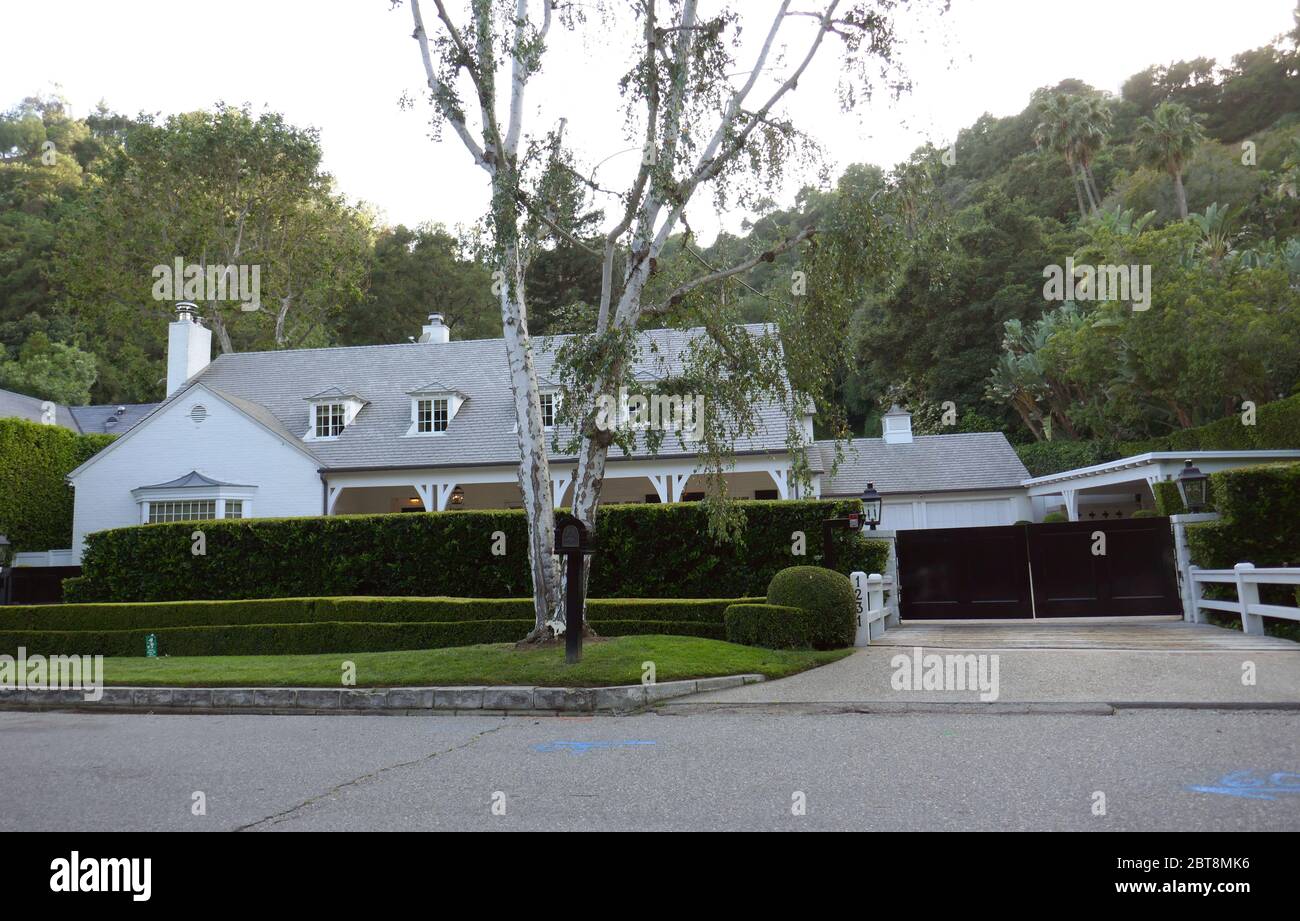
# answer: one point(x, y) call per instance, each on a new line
point(189, 347)
point(435, 330)
point(897, 426)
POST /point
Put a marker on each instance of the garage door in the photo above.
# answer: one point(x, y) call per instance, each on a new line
point(1038, 570)
point(973, 513)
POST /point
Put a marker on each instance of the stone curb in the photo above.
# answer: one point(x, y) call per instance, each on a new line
point(470, 701)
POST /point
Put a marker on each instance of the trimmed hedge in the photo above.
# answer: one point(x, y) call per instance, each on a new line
point(1260, 524)
point(157, 615)
point(1277, 427)
point(826, 595)
point(1043, 457)
point(643, 551)
point(35, 499)
point(314, 638)
point(1169, 501)
point(299, 626)
point(772, 626)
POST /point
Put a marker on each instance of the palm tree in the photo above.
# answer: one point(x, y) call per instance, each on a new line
point(1090, 120)
point(1056, 131)
point(1167, 140)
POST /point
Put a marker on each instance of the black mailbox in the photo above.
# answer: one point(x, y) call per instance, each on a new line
point(573, 541)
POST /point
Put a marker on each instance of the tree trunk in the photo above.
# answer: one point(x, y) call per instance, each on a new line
point(1180, 193)
point(1078, 193)
point(1094, 194)
point(534, 470)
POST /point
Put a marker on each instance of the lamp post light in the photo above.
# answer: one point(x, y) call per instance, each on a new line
point(1193, 486)
point(871, 506)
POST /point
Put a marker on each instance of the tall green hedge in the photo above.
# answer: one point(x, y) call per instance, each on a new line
point(1260, 519)
point(35, 499)
point(643, 551)
point(1277, 427)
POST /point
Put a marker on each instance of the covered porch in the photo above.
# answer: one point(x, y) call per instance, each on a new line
point(387, 491)
point(1119, 488)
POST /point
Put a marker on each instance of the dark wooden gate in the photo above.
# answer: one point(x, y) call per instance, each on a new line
point(1134, 576)
point(1042, 570)
point(964, 573)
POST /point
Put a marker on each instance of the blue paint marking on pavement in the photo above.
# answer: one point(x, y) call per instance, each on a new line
point(1247, 785)
point(579, 748)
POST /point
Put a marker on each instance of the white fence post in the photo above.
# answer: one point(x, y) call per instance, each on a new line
point(876, 606)
point(1192, 594)
point(862, 637)
point(1188, 590)
point(1247, 595)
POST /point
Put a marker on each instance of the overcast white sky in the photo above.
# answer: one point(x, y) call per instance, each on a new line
point(341, 66)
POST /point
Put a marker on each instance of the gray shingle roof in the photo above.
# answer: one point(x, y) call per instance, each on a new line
point(21, 406)
point(272, 387)
point(108, 419)
point(931, 463)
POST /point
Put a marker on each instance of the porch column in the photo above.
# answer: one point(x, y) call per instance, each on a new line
point(434, 494)
point(781, 477)
point(660, 483)
point(334, 493)
point(1071, 498)
point(559, 483)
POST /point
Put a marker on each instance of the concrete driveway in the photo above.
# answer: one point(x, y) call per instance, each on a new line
point(1151, 661)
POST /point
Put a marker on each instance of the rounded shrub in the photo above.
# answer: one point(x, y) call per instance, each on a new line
point(1145, 513)
point(823, 593)
point(771, 626)
point(1053, 517)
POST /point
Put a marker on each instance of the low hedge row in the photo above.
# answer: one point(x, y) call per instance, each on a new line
point(159, 615)
point(643, 551)
point(772, 626)
point(314, 638)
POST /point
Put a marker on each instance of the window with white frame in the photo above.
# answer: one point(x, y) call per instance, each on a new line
point(329, 420)
point(184, 510)
point(432, 415)
point(234, 508)
point(550, 404)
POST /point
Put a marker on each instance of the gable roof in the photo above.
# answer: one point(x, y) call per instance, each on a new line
point(271, 387)
point(21, 406)
point(259, 414)
point(930, 463)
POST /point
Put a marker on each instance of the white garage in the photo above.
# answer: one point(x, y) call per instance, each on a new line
point(964, 480)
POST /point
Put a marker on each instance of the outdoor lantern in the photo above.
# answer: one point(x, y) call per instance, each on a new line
point(458, 496)
point(1194, 487)
point(871, 506)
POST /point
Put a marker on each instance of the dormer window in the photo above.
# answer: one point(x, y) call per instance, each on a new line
point(332, 411)
point(329, 420)
point(433, 406)
point(432, 415)
point(550, 406)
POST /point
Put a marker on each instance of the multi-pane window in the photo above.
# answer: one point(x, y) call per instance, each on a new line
point(185, 510)
point(548, 410)
point(234, 508)
point(431, 415)
point(329, 420)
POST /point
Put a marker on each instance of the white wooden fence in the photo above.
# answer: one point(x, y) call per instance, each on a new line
point(1247, 579)
point(877, 606)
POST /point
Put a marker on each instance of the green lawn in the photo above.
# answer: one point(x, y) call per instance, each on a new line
point(608, 662)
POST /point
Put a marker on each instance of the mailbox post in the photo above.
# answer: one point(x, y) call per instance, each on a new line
point(851, 522)
point(573, 543)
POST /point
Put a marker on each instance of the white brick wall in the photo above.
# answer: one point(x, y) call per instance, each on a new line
point(227, 446)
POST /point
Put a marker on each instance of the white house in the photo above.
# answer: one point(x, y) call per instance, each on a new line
point(430, 425)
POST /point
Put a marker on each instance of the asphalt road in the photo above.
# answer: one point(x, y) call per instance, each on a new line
point(718, 770)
